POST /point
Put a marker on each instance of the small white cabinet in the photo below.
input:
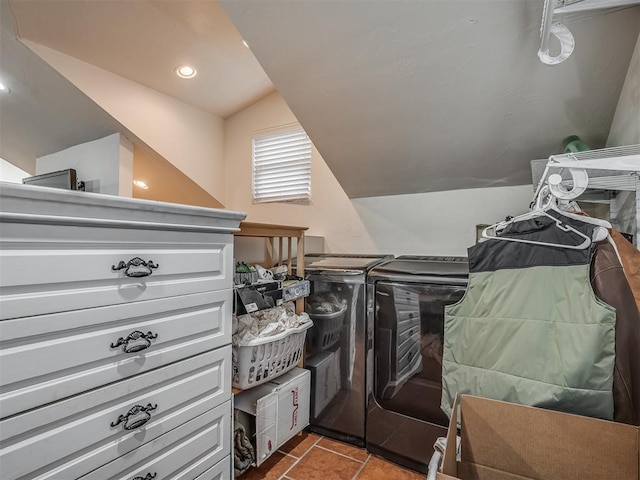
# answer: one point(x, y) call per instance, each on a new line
point(115, 332)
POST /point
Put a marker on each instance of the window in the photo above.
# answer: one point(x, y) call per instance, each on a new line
point(282, 167)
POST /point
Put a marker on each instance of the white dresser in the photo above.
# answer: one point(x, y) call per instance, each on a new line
point(115, 331)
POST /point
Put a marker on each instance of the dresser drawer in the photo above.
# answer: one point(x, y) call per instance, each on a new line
point(50, 357)
point(220, 471)
point(185, 453)
point(81, 433)
point(43, 275)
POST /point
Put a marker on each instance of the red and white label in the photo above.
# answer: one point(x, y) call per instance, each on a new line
point(294, 413)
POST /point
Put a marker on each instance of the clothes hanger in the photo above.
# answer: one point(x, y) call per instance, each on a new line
point(545, 200)
point(558, 223)
point(541, 205)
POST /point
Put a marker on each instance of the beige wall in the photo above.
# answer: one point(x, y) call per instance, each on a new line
point(441, 223)
point(166, 183)
point(330, 213)
point(189, 138)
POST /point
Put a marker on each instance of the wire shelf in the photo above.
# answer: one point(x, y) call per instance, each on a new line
point(616, 168)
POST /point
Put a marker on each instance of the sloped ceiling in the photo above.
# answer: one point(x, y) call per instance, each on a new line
point(44, 113)
point(145, 40)
point(398, 97)
point(406, 97)
point(141, 41)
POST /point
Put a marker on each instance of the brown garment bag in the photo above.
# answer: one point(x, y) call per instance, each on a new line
point(610, 284)
point(630, 262)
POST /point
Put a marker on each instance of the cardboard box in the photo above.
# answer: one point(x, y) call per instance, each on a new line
point(325, 379)
point(505, 441)
point(278, 410)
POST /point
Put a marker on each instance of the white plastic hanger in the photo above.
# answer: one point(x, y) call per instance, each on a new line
point(547, 201)
point(542, 204)
point(565, 228)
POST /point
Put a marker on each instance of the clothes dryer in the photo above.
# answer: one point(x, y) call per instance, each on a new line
point(405, 326)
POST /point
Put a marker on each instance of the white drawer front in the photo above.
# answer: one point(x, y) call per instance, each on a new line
point(54, 437)
point(50, 357)
point(40, 277)
point(221, 471)
point(185, 453)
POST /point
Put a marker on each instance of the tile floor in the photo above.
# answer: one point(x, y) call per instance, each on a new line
point(312, 457)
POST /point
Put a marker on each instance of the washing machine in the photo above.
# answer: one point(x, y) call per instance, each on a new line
point(335, 349)
point(405, 327)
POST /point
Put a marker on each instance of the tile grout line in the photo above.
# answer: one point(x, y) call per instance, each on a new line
point(301, 457)
point(338, 453)
point(361, 467)
point(303, 453)
point(286, 454)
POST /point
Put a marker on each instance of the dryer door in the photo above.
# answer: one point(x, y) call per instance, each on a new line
point(408, 337)
point(404, 415)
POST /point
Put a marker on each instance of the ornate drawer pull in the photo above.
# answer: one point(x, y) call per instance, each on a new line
point(148, 476)
point(136, 267)
point(135, 410)
point(134, 337)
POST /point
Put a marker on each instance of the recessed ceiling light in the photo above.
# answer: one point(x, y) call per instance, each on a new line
point(244, 42)
point(4, 88)
point(185, 71)
point(141, 184)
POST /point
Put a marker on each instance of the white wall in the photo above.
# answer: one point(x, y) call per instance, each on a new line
point(625, 129)
point(10, 173)
point(125, 167)
point(437, 223)
point(189, 138)
point(105, 165)
point(440, 223)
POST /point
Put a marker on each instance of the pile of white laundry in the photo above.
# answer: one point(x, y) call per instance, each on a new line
point(266, 323)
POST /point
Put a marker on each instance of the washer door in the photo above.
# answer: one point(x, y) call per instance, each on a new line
point(335, 354)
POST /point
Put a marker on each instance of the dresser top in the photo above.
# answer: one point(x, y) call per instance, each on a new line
point(35, 204)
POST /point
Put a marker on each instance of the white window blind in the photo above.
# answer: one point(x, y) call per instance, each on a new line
point(282, 167)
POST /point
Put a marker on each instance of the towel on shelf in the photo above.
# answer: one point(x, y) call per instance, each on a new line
point(243, 452)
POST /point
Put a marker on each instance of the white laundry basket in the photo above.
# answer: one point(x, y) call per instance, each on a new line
point(264, 359)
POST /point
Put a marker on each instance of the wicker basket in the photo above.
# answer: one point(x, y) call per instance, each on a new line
point(264, 359)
